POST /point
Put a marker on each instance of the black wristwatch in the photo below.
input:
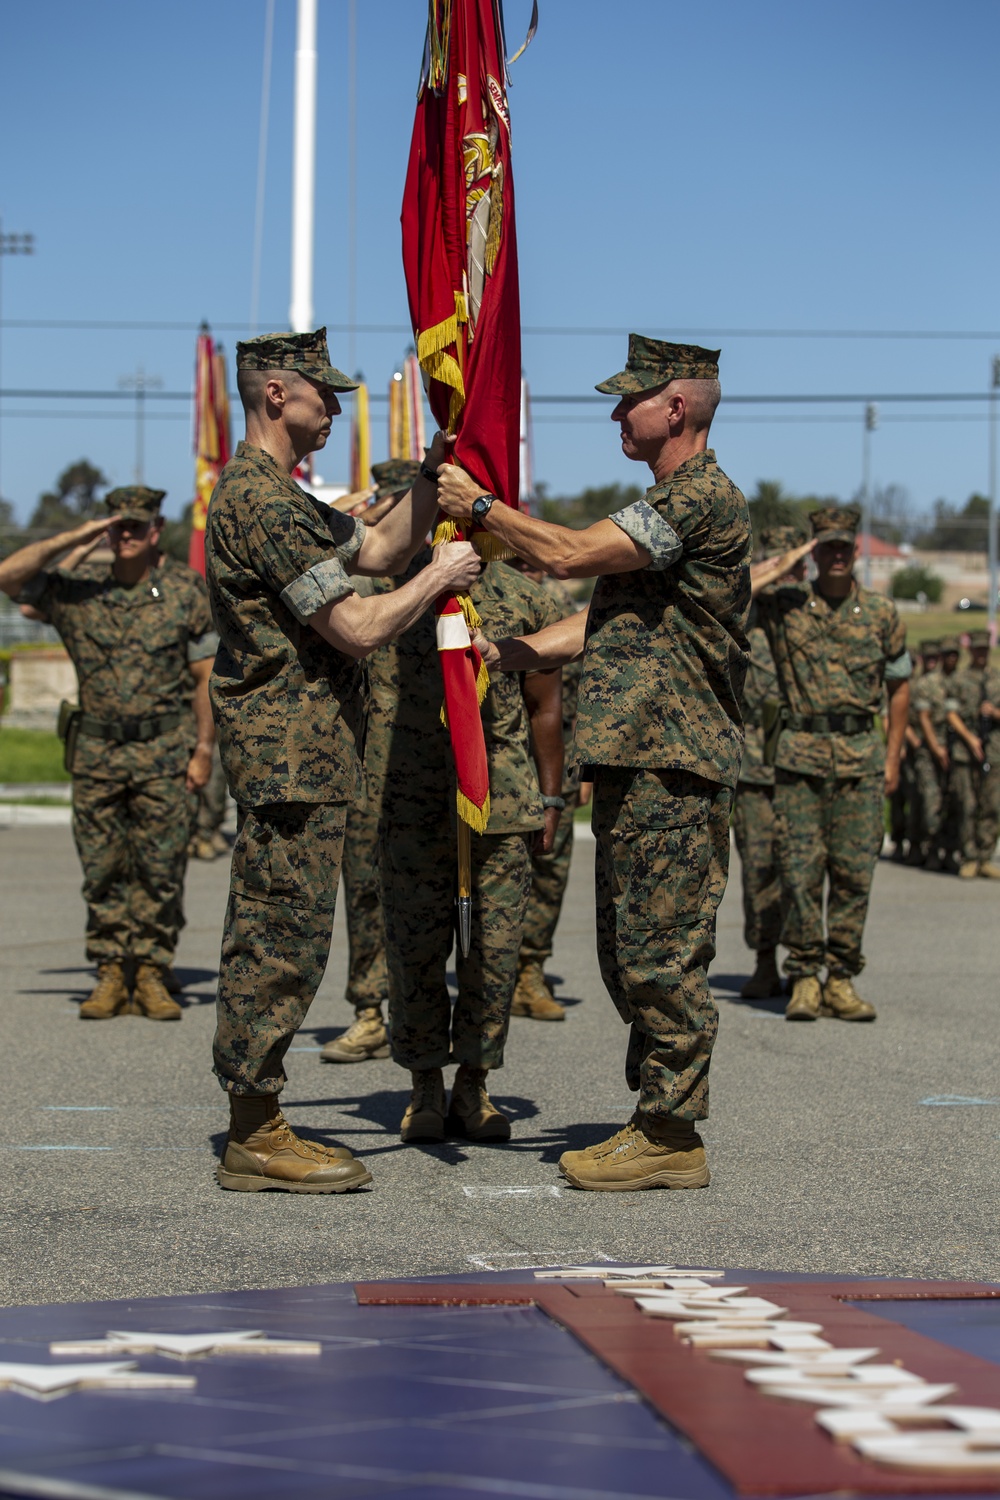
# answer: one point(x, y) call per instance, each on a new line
point(431, 474)
point(558, 802)
point(481, 507)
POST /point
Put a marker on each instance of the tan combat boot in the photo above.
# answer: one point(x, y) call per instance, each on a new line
point(968, 869)
point(109, 997)
point(171, 983)
point(532, 996)
point(471, 1112)
point(673, 1157)
point(424, 1117)
point(842, 1001)
point(989, 870)
point(263, 1152)
point(366, 1039)
point(149, 995)
point(765, 980)
point(220, 843)
point(807, 998)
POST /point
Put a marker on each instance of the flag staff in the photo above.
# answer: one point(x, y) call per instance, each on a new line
point(304, 170)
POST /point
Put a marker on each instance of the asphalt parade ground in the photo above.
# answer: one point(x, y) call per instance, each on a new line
point(839, 1149)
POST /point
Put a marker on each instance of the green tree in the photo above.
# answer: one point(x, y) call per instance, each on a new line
point(955, 530)
point(911, 582)
point(589, 506)
point(73, 500)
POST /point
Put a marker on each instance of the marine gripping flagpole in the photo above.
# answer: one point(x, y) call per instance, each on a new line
point(460, 263)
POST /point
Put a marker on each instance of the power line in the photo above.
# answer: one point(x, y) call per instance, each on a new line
point(534, 330)
point(797, 399)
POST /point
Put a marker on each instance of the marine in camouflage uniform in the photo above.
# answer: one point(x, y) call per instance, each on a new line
point(754, 827)
point(659, 722)
point(921, 774)
point(975, 772)
point(289, 697)
point(367, 980)
point(832, 655)
point(550, 871)
point(409, 761)
point(135, 751)
point(934, 697)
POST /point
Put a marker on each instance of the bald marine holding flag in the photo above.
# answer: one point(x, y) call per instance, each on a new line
point(660, 727)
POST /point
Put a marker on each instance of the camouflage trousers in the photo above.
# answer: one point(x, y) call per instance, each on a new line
point(367, 984)
point(829, 831)
point(418, 888)
point(662, 863)
point(754, 830)
point(923, 783)
point(212, 798)
point(549, 874)
point(976, 799)
point(276, 940)
point(132, 838)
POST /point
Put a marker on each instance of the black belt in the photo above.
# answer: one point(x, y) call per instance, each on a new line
point(829, 723)
point(125, 731)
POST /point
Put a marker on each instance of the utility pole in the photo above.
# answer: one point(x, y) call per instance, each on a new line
point(140, 382)
point(13, 244)
point(871, 422)
point(304, 170)
point(992, 522)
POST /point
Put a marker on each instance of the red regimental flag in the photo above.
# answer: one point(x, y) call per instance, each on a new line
point(460, 262)
point(211, 437)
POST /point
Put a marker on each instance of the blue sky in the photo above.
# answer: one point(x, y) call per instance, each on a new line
point(678, 169)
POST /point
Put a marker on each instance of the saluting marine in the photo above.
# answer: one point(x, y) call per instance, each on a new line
point(139, 745)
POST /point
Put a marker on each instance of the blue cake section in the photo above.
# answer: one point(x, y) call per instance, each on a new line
point(406, 1403)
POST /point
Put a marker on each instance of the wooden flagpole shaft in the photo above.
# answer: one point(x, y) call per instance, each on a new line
point(464, 886)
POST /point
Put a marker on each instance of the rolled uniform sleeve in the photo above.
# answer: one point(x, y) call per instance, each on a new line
point(648, 529)
point(39, 593)
point(202, 639)
point(303, 555)
point(900, 668)
point(898, 662)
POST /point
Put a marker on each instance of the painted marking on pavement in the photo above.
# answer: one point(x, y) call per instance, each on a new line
point(512, 1192)
point(939, 1100)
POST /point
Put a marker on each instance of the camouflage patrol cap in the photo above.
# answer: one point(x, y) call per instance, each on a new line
point(134, 502)
point(305, 352)
point(978, 639)
point(651, 362)
point(949, 644)
point(835, 523)
point(394, 476)
point(775, 540)
point(930, 648)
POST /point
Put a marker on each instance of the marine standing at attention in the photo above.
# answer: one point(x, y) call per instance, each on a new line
point(139, 746)
point(659, 724)
point(288, 698)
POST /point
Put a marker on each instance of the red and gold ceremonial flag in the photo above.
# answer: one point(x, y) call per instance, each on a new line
point(406, 412)
point(361, 441)
point(212, 440)
point(460, 262)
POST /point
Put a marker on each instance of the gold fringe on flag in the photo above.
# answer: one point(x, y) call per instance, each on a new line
point(477, 818)
point(446, 530)
point(492, 548)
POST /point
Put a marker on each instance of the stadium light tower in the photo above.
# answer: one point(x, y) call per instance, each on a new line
point(14, 244)
point(871, 422)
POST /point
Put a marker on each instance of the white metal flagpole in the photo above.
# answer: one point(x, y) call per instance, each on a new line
point(304, 170)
